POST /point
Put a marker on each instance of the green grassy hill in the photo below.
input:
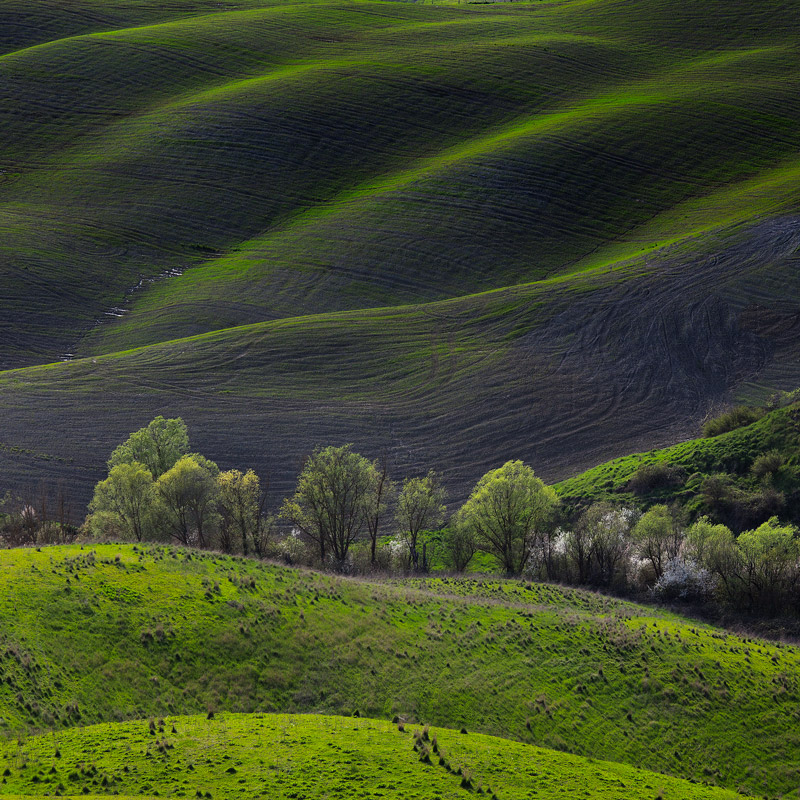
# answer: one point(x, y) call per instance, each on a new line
point(457, 233)
point(108, 633)
point(681, 473)
point(288, 756)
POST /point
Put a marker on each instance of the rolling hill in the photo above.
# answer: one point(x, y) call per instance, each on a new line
point(456, 233)
point(288, 756)
point(449, 233)
point(110, 633)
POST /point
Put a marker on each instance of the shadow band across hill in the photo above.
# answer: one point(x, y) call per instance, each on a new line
point(563, 374)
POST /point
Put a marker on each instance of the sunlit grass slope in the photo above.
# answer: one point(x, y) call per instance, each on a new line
point(110, 632)
point(731, 454)
point(288, 756)
point(298, 158)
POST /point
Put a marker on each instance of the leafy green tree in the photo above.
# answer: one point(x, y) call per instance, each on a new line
point(333, 500)
point(240, 503)
point(127, 492)
point(105, 526)
point(508, 509)
point(658, 536)
point(702, 537)
point(420, 506)
point(158, 446)
point(714, 547)
point(187, 496)
point(459, 544)
point(769, 563)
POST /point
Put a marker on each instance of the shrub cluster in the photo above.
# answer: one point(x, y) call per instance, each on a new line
point(658, 552)
point(737, 417)
point(652, 477)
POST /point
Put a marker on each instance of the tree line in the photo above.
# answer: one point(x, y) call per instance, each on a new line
point(659, 552)
point(348, 514)
point(158, 489)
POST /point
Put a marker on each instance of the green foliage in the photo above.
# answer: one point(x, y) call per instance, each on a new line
point(508, 510)
point(652, 477)
point(420, 506)
point(334, 499)
point(157, 446)
point(658, 535)
point(191, 501)
point(460, 545)
point(186, 497)
point(758, 570)
point(738, 417)
point(707, 542)
point(766, 466)
point(240, 503)
point(128, 493)
point(105, 526)
point(769, 563)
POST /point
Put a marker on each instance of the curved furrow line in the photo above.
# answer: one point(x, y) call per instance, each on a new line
point(156, 28)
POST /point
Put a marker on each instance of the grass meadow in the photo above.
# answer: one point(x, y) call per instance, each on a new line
point(111, 633)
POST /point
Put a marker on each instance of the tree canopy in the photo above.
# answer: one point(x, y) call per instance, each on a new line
point(157, 446)
point(508, 508)
point(127, 492)
point(420, 506)
point(333, 500)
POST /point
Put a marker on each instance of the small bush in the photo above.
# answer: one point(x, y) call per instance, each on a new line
point(767, 465)
point(684, 580)
point(737, 417)
point(651, 477)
